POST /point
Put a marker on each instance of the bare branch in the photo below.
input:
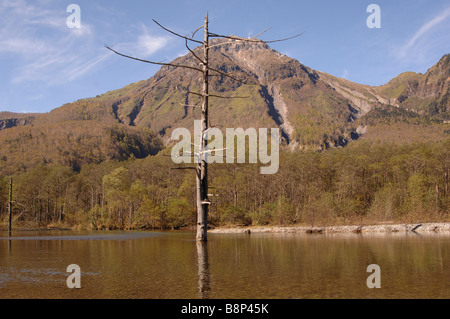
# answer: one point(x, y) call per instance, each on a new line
point(199, 28)
point(228, 97)
point(151, 62)
point(252, 39)
point(187, 105)
point(285, 39)
point(206, 151)
point(219, 96)
point(195, 93)
point(214, 150)
point(233, 37)
point(178, 35)
point(176, 65)
point(226, 74)
point(212, 126)
point(219, 44)
point(195, 55)
point(229, 76)
point(261, 33)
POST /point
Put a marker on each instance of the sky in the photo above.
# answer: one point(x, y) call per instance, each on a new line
point(52, 52)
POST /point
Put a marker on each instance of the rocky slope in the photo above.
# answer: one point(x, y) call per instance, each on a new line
point(426, 94)
point(9, 119)
point(281, 93)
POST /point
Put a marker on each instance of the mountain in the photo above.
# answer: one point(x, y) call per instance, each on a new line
point(426, 94)
point(313, 109)
point(283, 93)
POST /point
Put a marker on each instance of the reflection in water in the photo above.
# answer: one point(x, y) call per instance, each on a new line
point(204, 283)
point(9, 243)
point(166, 265)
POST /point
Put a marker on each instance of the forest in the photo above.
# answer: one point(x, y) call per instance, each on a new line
point(366, 182)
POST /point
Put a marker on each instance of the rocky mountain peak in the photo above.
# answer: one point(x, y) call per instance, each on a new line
point(311, 108)
point(236, 45)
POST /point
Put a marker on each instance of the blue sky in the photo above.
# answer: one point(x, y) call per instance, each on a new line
point(44, 64)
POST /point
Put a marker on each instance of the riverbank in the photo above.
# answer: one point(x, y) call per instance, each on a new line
point(387, 228)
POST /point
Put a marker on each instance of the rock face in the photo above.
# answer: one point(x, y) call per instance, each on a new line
point(281, 92)
point(435, 83)
point(426, 94)
point(12, 122)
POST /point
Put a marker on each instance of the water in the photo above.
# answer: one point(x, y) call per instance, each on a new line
point(169, 265)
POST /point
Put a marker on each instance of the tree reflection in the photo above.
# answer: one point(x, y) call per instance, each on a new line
point(204, 285)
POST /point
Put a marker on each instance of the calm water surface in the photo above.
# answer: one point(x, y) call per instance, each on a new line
point(171, 265)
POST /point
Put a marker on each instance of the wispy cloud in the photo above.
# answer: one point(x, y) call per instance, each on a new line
point(39, 54)
point(420, 39)
point(87, 66)
point(145, 43)
point(43, 47)
point(148, 45)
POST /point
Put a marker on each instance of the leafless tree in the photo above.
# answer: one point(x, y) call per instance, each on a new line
point(207, 71)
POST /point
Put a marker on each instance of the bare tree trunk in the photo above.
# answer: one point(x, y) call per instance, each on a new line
point(202, 167)
point(10, 205)
point(63, 210)
point(437, 198)
point(446, 182)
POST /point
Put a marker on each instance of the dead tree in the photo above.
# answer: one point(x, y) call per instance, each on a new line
point(207, 71)
point(10, 205)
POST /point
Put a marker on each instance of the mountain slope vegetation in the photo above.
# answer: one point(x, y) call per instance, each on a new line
point(314, 110)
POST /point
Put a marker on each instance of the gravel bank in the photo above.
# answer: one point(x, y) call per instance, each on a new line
point(426, 227)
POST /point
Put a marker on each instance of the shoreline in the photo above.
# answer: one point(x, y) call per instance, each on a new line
point(346, 229)
point(383, 228)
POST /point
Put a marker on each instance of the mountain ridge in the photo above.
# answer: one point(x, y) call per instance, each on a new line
point(313, 109)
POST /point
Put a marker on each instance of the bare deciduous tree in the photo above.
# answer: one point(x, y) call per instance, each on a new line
point(207, 71)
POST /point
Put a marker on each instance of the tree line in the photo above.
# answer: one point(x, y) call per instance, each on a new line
point(365, 182)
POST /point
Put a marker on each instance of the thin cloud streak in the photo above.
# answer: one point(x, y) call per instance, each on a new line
point(87, 66)
point(145, 45)
point(404, 50)
point(49, 52)
point(45, 48)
